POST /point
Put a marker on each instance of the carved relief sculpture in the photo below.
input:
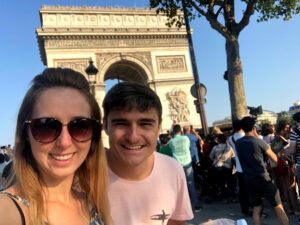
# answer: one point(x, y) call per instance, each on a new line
point(178, 105)
point(167, 64)
point(76, 64)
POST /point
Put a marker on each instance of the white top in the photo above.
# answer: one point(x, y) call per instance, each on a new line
point(163, 195)
point(236, 136)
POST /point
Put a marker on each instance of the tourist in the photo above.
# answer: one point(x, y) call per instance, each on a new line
point(250, 149)
point(180, 146)
point(295, 145)
point(165, 148)
point(285, 172)
point(243, 191)
point(222, 155)
point(145, 187)
point(59, 159)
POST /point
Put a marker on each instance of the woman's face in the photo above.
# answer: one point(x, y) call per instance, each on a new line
point(285, 132)
point(61, 158)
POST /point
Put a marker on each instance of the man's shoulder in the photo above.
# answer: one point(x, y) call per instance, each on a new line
point(167, 163)
point(192, 137)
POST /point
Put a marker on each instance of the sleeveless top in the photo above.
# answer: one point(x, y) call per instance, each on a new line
point(95, 218)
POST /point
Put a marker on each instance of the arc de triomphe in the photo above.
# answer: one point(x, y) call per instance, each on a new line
point(133, 44)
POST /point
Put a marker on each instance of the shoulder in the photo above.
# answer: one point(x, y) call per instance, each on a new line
point(9, 213)
point(168, 163)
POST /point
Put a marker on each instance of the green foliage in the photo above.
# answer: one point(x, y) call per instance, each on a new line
point(211, 9)
point(269, 9)
point(284, 115)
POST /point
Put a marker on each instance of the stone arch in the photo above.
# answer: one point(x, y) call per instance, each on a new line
point(130, 68)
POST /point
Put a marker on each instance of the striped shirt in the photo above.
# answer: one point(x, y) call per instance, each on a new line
point(295, 138)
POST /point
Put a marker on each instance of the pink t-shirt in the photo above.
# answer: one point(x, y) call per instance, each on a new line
point(163, 195)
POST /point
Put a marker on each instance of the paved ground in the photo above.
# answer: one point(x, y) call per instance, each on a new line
point(218, 210)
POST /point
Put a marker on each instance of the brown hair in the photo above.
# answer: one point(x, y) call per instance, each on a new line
point(92, 174)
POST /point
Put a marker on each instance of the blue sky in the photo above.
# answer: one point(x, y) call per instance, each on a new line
point(270, 53)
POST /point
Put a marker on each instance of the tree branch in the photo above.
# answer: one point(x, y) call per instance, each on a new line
point(246, 17)
point(219, 10)
point(215, 24)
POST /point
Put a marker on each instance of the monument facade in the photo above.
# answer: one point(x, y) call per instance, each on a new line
point(130, 44)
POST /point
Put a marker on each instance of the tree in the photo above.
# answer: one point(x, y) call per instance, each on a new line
point(221, 16)
point(284, 115)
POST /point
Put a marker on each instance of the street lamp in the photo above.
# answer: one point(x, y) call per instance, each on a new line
point(92, 71)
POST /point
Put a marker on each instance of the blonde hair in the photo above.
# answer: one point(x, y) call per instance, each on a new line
point(92, 174)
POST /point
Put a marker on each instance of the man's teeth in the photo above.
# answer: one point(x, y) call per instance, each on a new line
point(62, 158)
point(133, 147)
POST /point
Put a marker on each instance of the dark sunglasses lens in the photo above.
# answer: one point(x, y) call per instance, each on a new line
point(81, 129)
point(45, 130)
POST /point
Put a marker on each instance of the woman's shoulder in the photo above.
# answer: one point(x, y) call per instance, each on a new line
point(9, 212)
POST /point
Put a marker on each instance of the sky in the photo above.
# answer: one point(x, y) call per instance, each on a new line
point(270, 53)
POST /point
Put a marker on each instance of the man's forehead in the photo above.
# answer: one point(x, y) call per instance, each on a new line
point(121, 110)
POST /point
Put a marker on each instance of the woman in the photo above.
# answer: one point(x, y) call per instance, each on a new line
point(59, 160)
point(285, 171)
point(221, 155)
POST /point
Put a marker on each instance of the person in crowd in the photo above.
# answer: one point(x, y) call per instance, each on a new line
point(267, 132)
point(250, 149)
point(165, 148)
point(243, 191)
point(59, 160)
point(196, 144)
point(180, 146)
point(285, 172)
point(295, 145)
point(2, 165)
point(222, 155)
point(8, 177)
point(144, 186)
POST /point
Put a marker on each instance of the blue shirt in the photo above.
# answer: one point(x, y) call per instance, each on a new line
point(180, 146)
point(194, 140)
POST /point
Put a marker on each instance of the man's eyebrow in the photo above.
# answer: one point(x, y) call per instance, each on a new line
point(148, 120)
point(118, 120)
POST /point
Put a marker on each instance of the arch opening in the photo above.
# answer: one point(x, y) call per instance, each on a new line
point(125, 70)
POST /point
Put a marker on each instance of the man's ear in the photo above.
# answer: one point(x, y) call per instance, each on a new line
point(159, 127)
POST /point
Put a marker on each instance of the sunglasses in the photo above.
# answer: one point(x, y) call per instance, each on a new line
point(46, 130)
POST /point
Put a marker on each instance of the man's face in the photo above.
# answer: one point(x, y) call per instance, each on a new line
point(132, 136)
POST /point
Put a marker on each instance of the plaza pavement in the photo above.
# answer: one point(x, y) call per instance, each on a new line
point(217, 210)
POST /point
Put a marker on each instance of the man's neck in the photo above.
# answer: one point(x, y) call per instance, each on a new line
point(251, 133)
point(239, 131)
point(130, 172)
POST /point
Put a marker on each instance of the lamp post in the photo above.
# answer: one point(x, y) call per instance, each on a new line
point(92, 71)
point(200, 100)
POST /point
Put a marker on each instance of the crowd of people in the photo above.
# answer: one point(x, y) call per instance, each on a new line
point(246, 166)
point(60, 172)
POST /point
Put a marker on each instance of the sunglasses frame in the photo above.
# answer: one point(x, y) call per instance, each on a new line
point(96, 128)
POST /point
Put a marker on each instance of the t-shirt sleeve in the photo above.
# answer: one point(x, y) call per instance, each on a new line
point(183, 210)
point(263, 145)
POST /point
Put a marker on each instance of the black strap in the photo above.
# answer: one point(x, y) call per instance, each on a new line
point(233, 139)
point(20, 210)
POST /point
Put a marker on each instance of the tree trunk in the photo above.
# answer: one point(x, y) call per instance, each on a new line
point(235, 80)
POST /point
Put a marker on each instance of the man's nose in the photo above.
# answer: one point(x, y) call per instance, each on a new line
point(133, 134)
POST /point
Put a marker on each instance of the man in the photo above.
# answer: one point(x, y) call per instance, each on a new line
point(145, 187)
point(195, 142)
point(243, 192)
point(295, 144)
point(250, 151)
point(180, 146)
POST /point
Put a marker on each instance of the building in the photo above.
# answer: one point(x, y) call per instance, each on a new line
point(295, 108)
point(267, 116)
